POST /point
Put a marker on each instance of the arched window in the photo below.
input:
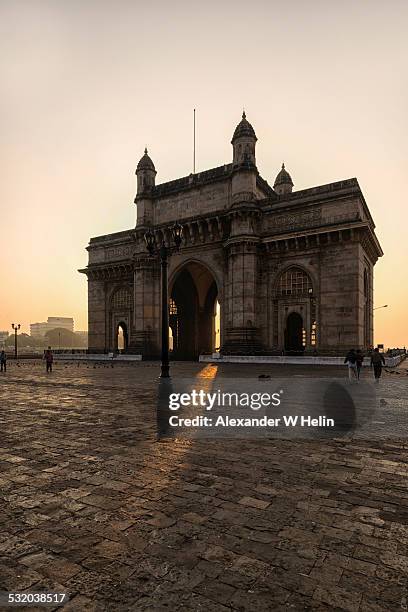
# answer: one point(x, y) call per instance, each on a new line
point(121, 299)
point(121, 336)
point(294, 281)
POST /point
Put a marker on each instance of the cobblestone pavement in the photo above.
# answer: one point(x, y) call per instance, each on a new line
point(92, 505)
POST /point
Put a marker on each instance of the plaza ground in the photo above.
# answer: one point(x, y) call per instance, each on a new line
point(92, 505)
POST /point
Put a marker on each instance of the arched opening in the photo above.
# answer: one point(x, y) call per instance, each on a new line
point(120, 315)
point(294, 294)
point(294, 333)
point(121, 337)
point(194, 325)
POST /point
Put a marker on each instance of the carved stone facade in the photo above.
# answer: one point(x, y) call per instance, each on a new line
point(276, 269)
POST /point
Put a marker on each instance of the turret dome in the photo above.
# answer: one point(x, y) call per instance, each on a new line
point(243, 129)
point(146, 175)
point(283, 177)
point(283, 183)
point(145, 163)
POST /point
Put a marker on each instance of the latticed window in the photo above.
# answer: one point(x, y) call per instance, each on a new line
point(294, 282)
point(122, 299)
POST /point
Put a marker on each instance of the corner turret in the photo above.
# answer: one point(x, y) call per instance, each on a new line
point(283, 182)
point(243, 142)
point(146, 175)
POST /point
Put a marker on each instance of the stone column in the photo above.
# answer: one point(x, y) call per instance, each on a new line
point(241, 333)
point(340, 318)
point(371, 306)
point(97, 324)
point(145, 339)
point(365, 299)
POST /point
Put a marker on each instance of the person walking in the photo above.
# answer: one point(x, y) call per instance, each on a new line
point(3, 361)
point(377, 362)
point(49, 358)
point(351, 360)
point(359, 362)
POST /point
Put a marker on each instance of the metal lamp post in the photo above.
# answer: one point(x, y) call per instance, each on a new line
point(16, 327)
point(164, 252)
point(378, 307)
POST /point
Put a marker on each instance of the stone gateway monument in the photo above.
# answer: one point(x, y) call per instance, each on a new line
point(261, 270)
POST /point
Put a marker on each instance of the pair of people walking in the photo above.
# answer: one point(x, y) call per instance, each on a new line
point(354, 359)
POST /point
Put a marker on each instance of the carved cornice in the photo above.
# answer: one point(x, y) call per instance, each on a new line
point(370, 244)
point(114, 270)
point(241, 245)
point(197, 230)
point(313, 239)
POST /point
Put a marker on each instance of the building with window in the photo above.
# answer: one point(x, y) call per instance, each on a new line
point(268, 269)
point(38, 330)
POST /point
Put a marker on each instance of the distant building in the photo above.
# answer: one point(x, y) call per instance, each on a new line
point(82, 334)
point(65, 322)
point(38, 330)
point(3, 337)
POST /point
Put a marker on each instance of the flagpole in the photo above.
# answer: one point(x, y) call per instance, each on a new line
point(194, 142)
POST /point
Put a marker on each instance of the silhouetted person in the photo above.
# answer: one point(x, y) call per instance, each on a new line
point(49, 358)
point(351, 360)
point(3, 361)
point(359, 362)
point(377, 362)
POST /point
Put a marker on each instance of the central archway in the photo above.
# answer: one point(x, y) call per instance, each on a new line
point(294, 333)
point(194, 312)
point(121, 337)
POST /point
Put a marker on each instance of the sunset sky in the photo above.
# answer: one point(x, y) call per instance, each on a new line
point(87, 84)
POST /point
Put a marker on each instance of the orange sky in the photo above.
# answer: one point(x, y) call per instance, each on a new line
point(86, 85)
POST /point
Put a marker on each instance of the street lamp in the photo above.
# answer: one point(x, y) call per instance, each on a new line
point(16, 327)
point(164, 252)
point(377, 307)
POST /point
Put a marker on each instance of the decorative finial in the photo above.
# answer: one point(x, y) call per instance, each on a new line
point(145, 151)
point(283, 166)
point(243, 114)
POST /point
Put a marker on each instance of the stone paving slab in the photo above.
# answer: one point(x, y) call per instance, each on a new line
point(92, 505)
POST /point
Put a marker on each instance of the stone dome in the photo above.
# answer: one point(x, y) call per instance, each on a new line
point(243, 129)
point(145, 163)
point(283, 178)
